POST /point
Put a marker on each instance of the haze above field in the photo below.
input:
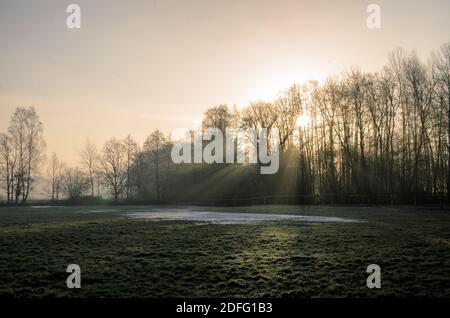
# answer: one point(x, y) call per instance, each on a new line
point(136, 66)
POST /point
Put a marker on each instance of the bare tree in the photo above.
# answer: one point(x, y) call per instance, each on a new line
point(288, 107)
point(55, 172)
point(113, 166)
point(132, 150)
point(156, 149)
point(259, 115)
point(89, 161)
point(8, 161)
point(217, 117)
point(74, 183)
point(26, 132)
point(441, 61)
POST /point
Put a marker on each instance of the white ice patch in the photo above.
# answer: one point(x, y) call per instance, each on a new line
point(231, 218)
point(47, 206)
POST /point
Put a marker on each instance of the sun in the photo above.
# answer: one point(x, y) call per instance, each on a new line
point(303, 120)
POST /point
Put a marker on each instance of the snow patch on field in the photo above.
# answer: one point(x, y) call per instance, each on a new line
point(47, 206)
point(231, 218)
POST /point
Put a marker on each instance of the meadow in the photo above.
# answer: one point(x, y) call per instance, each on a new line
point(122, 256)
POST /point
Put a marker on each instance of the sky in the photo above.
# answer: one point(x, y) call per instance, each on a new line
point(135, 66)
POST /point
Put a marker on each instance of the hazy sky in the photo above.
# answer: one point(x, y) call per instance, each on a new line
point(139, 65)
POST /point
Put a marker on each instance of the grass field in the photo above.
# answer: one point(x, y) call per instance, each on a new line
point(124, 257)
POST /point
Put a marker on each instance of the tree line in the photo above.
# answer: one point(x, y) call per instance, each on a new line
point(385, 132)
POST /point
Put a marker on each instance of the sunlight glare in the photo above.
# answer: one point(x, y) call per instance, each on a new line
point(303, 120)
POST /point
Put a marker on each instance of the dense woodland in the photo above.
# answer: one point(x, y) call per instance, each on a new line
point(372, 134)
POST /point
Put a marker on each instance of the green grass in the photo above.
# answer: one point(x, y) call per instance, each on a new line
point(125, 257)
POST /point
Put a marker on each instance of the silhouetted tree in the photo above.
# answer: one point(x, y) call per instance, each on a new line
point(113, 166)
point(90, 162)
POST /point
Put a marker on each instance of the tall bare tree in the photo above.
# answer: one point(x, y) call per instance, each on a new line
point(441, 61)
point(8, 160)
point(55, 173)
point(90, 162)
point(113, 166)
point(132, 151)
point(26, 131)
point(157, 153)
